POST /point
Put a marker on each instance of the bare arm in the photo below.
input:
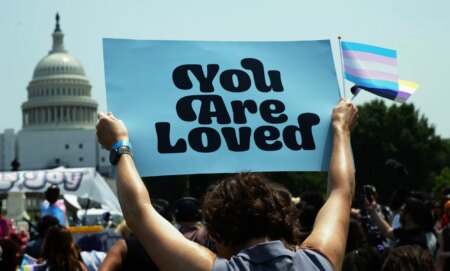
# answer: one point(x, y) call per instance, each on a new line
point(384, 227)
point(115, 257)
point(329, 235)
point(163, 242)
point(83, 267)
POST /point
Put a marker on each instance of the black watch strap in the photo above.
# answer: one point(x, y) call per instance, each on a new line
point(115, 154)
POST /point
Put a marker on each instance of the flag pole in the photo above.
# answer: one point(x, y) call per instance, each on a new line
point(342, 67)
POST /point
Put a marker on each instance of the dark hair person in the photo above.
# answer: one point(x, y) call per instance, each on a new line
point(366, 259)
point(60, 251)
point(409, 258)
point(235, 222)
point(259, 249)
point(9, 255)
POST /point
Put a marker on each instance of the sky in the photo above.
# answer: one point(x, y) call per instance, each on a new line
point(418, 30)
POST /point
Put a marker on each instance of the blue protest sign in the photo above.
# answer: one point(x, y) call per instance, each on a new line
point(215, 107)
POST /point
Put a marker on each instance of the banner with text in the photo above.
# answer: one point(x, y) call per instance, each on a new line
point(81, 182)
point(223, 107)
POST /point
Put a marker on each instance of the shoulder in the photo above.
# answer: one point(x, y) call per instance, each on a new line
point(310, 260)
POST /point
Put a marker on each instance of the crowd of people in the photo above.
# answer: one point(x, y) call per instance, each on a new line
point(246, 222)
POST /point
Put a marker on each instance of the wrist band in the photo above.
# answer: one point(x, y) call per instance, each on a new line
point(120, 144)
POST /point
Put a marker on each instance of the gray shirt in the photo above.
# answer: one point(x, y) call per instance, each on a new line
point(273, 256)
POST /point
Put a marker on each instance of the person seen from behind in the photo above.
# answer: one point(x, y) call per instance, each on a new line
point(54, 206)
point(243, 216)
point(60, 252)
point(409, 258)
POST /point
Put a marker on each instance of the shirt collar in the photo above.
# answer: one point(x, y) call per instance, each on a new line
point(265, 251)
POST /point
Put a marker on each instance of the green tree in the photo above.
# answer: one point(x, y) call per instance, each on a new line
point(397, 132)
point(442, 181)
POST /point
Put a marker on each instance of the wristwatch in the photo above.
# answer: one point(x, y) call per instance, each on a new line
point(115, 153)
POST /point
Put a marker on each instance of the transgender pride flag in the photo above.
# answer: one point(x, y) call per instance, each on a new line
point(374, 69)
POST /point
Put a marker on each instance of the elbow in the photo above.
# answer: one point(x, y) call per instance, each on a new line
point(133, 216)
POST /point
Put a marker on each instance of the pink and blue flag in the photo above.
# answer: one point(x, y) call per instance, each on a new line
point(374, 69)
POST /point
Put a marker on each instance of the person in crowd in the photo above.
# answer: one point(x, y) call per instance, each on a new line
point(107, 221)
point(409, 258)
point(243, 216)
point(54, 206)
point(123, 230)
point(34, 247)
point(413, 216)
point(374, 236)
point(9, 255)
point(127, 253)
point(188, 216)
point(444, 243)
point(91, 251)
point(60, 252)
point(438, 212)
point(162, 206)
point(367, 259)
point(356, 237)
point(4, 228)
point(398, 198)
point(430, 232)
point(309, 206)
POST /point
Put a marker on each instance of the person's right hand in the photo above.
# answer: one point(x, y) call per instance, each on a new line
point(110, 130)
point(344, 115)
point(371, 206)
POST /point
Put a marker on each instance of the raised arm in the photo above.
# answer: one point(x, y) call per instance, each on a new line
point(163, 242)
point(329, 235)
point(115, 258)
point(384, 227)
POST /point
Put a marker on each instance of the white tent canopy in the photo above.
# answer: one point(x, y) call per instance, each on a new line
point(81, 182)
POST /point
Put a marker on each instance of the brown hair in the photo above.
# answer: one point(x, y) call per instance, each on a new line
point(409, 258)
point(59, 250)
point(245, 206)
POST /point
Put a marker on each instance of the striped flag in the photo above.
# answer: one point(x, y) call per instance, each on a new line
point(374, 69)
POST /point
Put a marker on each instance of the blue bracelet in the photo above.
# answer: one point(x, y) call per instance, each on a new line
point(120, 144)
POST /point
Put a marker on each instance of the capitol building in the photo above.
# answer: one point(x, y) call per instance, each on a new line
point(58, 119)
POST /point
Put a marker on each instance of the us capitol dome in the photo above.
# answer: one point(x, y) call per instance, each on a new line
point(58, 118)
point(59, 95)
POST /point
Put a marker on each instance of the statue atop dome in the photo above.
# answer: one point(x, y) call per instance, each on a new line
point(57, 28)
point(58, 45)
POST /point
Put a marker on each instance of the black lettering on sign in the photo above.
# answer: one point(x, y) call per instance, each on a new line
point(206, 109)
point(265, 134)
point(232, 80)
point(257, 69)
point(185, 109)
point(212, 139)
point(181, 78)
point(163, 137)
point(235, 144)
point(269, 108)
point(242, 78)
point(239, 108)
point(305, 123)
